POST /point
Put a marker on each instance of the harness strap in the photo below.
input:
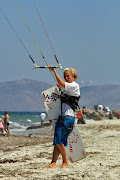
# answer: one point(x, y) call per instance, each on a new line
point(72, 101)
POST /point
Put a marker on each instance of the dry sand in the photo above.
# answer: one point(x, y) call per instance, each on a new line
point(25, 157)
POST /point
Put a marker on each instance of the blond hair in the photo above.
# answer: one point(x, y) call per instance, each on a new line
point(72, 72)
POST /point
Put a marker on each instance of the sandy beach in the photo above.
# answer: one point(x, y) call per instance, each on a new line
point(25, 157)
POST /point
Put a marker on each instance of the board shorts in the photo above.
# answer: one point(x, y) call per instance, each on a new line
point(63, 129)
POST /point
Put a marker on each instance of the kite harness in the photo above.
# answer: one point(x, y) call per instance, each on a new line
point(72, 101)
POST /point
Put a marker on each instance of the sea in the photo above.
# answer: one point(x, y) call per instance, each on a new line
point(20, 121)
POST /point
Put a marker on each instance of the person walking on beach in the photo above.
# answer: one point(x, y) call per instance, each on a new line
point(6, 122)
point(66, 120)
point(42, 118)
point(2, 126)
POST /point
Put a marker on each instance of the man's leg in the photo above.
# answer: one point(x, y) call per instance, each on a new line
point(62, 150)
point(41, 123)
point(8, 130)
point(56, 153)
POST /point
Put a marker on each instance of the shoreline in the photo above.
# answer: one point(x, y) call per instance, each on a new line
point(37, 129)
point(25, 157)
point(32, 130)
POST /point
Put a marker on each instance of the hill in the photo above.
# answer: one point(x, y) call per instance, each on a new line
point(22, 95)
point(107, 95)
point(25, 95)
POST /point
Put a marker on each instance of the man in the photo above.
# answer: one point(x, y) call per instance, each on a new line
point(79, 116)
point(6, 122)
point(65, 122)
point(84, 112)
point(81, 119)
point(42, 118)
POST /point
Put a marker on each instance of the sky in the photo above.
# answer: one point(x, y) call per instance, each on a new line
point(85, 35)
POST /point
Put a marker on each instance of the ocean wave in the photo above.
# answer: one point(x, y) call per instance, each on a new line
point(15, 125)
point(29, 120)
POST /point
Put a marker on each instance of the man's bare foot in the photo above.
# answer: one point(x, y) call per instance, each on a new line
point(52, 165)
point(64, 165)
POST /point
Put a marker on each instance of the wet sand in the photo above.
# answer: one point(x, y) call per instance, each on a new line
point(25, 157)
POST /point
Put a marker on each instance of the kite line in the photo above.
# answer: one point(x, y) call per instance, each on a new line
point(36, 67)
point(47, 34)
point(34, 37)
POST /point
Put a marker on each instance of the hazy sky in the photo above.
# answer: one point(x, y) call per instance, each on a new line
point(85, 35)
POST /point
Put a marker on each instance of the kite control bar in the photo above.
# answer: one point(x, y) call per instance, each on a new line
point(36, 67)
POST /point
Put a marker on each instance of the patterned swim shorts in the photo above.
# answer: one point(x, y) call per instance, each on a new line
point(63, 129)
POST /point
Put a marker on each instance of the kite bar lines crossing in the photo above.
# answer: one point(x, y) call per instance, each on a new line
point(35, 66)
point(34, 40)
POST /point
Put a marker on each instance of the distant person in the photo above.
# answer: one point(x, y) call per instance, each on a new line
point(118, 115)
point(42, 118)
point(1, 126)
point(6, 123)
point(84, 112)
point(110, 115)
point(100, 116)
point(81, 119)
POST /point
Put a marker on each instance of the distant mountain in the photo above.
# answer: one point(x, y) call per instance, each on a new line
point(25, 95)
point(107, 95)
point(22, 95)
